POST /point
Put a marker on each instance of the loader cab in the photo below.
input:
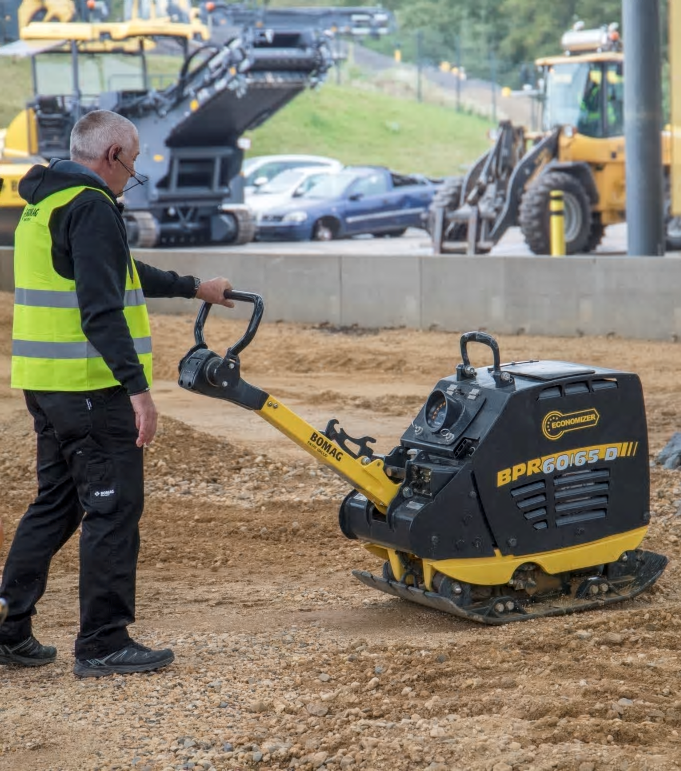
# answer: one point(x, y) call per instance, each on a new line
point(68, 82)
point(585, 94)
point(584, 88)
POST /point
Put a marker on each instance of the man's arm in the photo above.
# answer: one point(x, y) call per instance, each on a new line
point(100, 265)
point(167, 283)
point(164, 283)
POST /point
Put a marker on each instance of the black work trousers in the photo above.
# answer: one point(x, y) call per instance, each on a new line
point(87, 462)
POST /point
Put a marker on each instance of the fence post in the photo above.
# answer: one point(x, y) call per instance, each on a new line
point(419, 42)
point(458, 73)
point(493, 74)
point(557, 223)
point(339, 54)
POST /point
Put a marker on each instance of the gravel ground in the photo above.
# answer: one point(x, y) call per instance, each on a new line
point(282, 659)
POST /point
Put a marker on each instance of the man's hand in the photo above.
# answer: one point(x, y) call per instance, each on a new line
point(213, 291)
point(145, 417)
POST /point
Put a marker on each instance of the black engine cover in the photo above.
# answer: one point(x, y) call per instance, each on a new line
point(556, 455)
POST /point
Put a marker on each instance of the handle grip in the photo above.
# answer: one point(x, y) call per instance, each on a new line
point(253, 324)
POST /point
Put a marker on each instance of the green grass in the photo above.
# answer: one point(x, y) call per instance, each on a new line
point(361, 126)
point(15, 77)
point(355, 125)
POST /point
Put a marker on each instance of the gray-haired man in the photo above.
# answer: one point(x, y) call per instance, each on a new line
point(81, 351)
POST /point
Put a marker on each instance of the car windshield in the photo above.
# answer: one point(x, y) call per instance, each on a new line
point(282, 182)
point(331, 186)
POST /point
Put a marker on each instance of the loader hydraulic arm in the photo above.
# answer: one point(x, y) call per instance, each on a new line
point(208, 373)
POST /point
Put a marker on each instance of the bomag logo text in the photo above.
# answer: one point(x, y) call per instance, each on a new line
point(555, 424)
point(325, 445)
point(30, 211)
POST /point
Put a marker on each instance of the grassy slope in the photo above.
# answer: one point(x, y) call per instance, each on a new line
point(358, 126)
point(15, 77)
point(351, 124)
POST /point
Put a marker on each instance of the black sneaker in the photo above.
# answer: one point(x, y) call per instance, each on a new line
point(29, 653)
point(133, 658)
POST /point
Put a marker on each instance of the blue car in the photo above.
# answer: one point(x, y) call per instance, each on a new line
point(350, 202)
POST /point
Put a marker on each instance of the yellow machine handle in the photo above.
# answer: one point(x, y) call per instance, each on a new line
point(208, 373)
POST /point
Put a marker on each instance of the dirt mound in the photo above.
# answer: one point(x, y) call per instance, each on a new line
point(198, 488)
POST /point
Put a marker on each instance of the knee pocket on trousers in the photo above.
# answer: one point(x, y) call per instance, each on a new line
point(102, 489)
point(97, 477)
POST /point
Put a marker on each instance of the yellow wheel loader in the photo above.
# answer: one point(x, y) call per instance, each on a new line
point(579, 152)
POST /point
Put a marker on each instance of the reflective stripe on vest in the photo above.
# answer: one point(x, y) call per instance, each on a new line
point(50, 352)
point(45, 298)
point(39, 350)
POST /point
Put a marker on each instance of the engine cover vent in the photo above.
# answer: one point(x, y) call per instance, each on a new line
point(567, 499)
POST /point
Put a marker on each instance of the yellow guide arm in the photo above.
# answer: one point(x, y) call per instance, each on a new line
point(364, 474)
point(207, 373)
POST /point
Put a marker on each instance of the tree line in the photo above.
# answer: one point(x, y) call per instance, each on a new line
point(506, 34)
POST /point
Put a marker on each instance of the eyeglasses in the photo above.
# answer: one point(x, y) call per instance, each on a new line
point(140, 179)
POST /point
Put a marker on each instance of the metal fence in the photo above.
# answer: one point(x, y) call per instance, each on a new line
point(448, 83)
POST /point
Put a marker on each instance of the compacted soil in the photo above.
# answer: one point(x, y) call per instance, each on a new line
point(283, 660)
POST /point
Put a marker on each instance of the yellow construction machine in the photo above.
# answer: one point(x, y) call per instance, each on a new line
point(190, 121)
point(17, 14)
point(579, 152)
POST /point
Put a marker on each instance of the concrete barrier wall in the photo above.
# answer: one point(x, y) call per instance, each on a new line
point(629, 297)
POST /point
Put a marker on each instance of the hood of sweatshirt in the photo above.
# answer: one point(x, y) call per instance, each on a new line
point(41, 181)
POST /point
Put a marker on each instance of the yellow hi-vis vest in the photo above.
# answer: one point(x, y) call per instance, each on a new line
point(50, 352)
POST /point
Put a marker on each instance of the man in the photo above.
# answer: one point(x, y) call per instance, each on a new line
point(81, 351)
point(3, 604)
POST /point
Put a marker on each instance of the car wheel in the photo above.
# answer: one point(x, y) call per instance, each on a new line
point(324, 230)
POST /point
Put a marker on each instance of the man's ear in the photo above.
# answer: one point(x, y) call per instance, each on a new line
point(114, 152)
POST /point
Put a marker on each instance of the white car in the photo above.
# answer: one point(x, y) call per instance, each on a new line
point(281, 189)
point(261, 169)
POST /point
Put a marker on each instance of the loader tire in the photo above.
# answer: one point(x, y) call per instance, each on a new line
point(534, 216)
point(596, 234)
point(448, 197)
point(672, 225)
point(673, 234)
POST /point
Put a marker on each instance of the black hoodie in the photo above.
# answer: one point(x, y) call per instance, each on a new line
point(90, 247)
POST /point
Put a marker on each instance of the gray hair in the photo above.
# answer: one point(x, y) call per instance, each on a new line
point(97, 131)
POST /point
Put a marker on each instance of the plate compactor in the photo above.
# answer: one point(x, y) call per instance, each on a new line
point(519, 491)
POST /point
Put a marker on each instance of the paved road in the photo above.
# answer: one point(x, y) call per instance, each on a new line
point(416, 242)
